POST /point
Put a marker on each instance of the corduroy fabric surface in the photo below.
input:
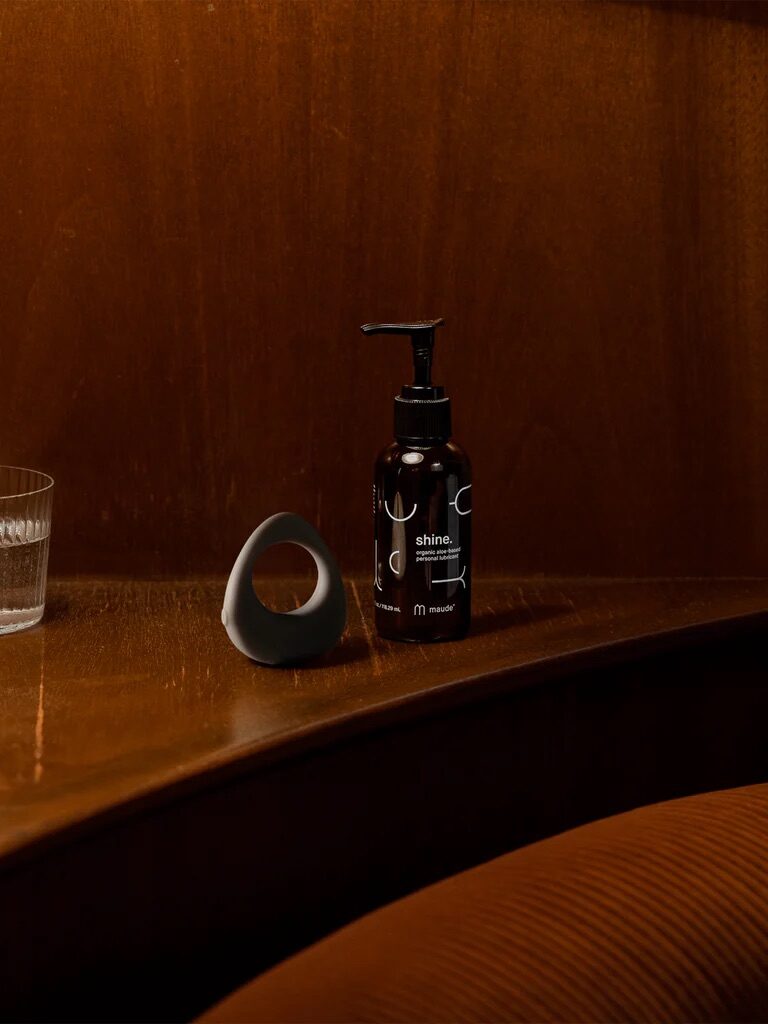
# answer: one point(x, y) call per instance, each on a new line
point(660, 914)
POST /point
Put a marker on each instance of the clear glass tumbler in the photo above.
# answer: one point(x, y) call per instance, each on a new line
point(26, 500)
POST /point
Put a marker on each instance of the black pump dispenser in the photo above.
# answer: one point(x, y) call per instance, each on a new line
point(422, 412)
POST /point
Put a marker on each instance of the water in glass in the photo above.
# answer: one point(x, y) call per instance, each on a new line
point(25, 530)
point(23, 571)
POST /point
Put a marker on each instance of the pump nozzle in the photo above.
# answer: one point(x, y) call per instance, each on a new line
point(422, 334)
point(422, 412)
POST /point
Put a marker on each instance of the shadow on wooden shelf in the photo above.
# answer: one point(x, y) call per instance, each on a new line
point(498, 621)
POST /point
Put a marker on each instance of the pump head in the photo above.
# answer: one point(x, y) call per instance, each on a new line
point(422, 412)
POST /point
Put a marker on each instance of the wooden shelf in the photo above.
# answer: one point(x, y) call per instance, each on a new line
point(131, 688)
point(200, 817)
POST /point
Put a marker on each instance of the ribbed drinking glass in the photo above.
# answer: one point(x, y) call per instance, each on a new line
point(26, 500)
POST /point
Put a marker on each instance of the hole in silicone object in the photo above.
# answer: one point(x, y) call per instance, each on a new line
point(296, 571)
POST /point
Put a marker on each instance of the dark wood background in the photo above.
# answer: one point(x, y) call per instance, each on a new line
point(201, 201)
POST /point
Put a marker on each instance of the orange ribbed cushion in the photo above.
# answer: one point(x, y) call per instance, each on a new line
point(660, 914)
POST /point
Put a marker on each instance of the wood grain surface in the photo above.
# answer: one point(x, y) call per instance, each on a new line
point(174, 819)
point(128, 687)
point(202, 200)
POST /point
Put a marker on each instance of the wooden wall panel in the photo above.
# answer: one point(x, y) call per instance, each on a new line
point(201, 201)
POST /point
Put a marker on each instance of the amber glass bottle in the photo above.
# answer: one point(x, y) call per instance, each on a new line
point(422, 510)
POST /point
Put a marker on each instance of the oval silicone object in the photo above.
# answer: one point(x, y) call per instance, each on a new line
point(278, 638)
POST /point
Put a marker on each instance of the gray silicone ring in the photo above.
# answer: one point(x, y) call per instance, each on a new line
point(278, 638)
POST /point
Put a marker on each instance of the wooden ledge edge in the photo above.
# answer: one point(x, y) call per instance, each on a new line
point(214, 772)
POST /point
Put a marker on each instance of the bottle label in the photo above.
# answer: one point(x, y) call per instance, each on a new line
point(422, 553)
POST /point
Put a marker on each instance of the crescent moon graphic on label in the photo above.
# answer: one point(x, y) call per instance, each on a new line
point(396, 518)
point(455, 501)
point(376, 579)
point(455, 579)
